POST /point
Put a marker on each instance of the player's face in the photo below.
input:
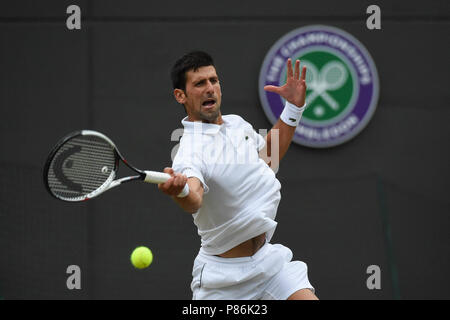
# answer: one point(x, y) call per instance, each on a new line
point(203, 95)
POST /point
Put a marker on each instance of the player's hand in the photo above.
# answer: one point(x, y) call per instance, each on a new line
point(175, 184)
point(294, 90)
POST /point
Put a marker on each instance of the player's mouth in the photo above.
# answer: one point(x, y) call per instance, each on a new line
point(209, 104)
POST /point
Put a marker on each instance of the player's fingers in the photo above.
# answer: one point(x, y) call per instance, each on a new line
point(168, 171)
point(169, 187)
point(272, 89)
point(289, 68)
point(303, 77)
point(162, 187)
point(176, 180)
point(180, 180)
point(297, 70)
point(171, 184)
point(183, 180)
point(168, 184)
point(177, 185)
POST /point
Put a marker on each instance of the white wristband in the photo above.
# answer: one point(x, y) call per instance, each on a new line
point(292, 114)
point(184, 192)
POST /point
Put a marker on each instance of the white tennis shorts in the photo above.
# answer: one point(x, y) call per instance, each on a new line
point(267, 275)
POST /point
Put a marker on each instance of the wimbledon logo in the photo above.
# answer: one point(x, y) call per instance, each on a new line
point(341, 79)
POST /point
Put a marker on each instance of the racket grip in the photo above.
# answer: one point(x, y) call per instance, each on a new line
point(156, 177)
point(160, 177)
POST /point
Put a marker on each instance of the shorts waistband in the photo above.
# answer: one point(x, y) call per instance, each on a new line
point(258, 255)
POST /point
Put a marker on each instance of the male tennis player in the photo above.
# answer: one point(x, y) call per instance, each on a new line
point(234, 194)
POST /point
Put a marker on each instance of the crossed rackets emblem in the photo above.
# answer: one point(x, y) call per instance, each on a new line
point(331, 77)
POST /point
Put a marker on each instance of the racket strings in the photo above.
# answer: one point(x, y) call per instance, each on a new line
point(81, 166)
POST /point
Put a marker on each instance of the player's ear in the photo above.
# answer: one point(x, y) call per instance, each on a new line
point(179, 95)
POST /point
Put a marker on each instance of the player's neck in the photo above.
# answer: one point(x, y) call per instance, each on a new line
point(217, 120)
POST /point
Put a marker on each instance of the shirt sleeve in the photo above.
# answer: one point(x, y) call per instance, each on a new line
point(260, 141)
point(190, 164)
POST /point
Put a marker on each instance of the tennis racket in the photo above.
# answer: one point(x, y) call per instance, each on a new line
point(84, 164)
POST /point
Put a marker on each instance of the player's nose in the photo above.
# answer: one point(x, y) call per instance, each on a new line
point(209, 87)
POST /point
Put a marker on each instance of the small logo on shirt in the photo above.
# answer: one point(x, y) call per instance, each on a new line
point(341, 78)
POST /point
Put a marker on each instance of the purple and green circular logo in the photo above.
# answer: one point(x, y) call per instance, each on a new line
point(341, 78)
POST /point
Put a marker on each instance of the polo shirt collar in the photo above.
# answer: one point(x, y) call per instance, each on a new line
point(200, 127)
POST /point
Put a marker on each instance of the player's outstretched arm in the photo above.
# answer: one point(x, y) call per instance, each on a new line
point(172, 187)
point(294, 91)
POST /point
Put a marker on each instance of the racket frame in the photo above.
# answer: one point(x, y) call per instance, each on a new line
point(147, 176)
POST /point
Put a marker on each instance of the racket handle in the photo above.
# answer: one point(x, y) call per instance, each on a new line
point(160, 177)
point(156, 177)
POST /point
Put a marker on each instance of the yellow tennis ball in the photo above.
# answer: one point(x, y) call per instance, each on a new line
point(141, 257)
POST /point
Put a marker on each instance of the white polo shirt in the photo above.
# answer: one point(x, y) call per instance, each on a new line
point(241, 192)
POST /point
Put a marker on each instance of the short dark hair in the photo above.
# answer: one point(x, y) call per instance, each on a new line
point(190, 61)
